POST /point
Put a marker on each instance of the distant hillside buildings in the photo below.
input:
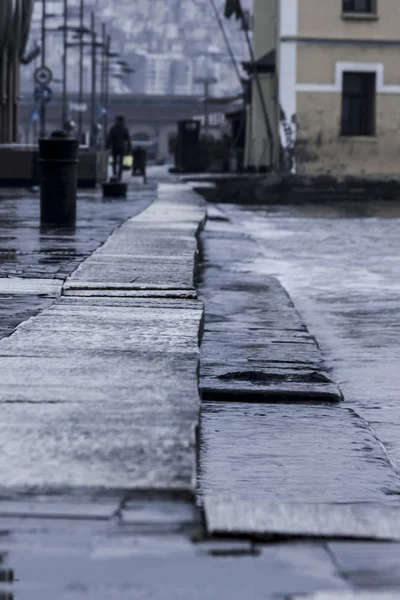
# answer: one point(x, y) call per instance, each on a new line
point(170, 43)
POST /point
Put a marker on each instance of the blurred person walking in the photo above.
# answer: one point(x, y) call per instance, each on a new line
point(119, 143)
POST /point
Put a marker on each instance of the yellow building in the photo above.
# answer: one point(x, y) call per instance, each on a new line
point(330, 75)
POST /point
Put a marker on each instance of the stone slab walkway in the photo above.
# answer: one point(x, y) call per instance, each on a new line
point(310, 468)
point(265, 520)
point(154, 251)
point(101, 392)
point(100, 402)
point(255, 346)
point(35, 261)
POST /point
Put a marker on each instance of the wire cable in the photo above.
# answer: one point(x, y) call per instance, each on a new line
point(227, 42)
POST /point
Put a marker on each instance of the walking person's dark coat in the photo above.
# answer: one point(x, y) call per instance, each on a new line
point(119, 142)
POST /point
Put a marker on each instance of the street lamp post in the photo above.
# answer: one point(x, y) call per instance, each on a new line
point(81, 47)
point(43, 60)
point(109, 55)
point(64, 66)
point(93, 135)
point(103, 92)
point(206, 81)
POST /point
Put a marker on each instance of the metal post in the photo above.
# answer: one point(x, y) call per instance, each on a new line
point(206, 81)
point(107, 87)
point(42, 104)
point(93, 94)
point(206, 107)
point(103, 72)
point(80, 100)
point(64, 67)
point(10, 95)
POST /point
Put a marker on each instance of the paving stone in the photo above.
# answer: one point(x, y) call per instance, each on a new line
point(102, 393)
point(51, 507)
point(374, 595)
point(144, 253)
point(53, 559)
point(290, 453)
point(29, 251)
point(61, 328)
point(18, 285)
point(253, 334)
point(352, 310)
point(159, 515)
point(117, 390)
point(147, 444)
point(268, 518)
point(368, 565)
point(18, 307)
point(83, 291)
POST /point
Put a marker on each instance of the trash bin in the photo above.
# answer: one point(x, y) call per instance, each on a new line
point(139, 162)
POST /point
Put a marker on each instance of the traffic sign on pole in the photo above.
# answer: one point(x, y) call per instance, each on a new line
point(43, 94)
point(35, 116)
point(43, 75)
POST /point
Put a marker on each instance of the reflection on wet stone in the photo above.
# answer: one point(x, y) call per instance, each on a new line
point(29, 251)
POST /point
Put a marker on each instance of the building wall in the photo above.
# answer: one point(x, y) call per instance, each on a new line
point(265, 26)
point(316, 63)
point(258, 153)
point(317, 45)
point(320, 148)
point(287, 77)
point(323, 19)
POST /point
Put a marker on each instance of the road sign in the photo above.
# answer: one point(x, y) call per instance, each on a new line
point(101, 111)
point(43, 94)
point(35, 116)
point(43, 75)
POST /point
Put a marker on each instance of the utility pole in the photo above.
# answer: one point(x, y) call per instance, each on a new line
point(103, 76)
point(93, 93)
point(206, 81)
point(42, 104)
point(109, 55)
point(64, 67)
point(81, 47)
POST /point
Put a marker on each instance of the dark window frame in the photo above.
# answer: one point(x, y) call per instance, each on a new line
point(358, 111)
point(362, 7)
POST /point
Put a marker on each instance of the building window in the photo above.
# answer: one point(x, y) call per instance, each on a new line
point(358, 104)
point(359, 6)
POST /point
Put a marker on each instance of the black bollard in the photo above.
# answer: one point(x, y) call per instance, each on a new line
point(114, 188)
point(58, 180)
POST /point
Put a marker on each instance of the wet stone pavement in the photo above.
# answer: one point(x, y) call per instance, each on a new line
point(340, 266)
point(100, 406)
point(325, 470)
point(35, 261)
point(308, 451)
